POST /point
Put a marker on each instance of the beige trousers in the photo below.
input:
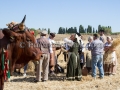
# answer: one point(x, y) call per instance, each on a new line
point(43, 66)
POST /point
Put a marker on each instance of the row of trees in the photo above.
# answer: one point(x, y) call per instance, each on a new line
point(89, 29)
point(36, 31)
point(81, 29)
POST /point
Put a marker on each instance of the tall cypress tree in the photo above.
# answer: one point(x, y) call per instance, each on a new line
point(48, 30)
point(93, 30)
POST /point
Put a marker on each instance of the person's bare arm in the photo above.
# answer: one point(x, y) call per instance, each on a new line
point(106, 49)
point(59, 53)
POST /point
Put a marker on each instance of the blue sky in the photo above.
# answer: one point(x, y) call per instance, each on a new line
point(61, 13)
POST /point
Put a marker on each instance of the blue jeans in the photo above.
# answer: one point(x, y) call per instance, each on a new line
point(97, 60)
point(25, 68)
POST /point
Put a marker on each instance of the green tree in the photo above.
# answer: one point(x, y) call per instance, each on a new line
point(35, 31)
point(66, 31)
point(85, 30)
point(63, 30)
point(93, 30)
point(89, 29)
point(75, 29)
point(96, 31)
point(107, 29)
point(39, 28)
point(60, 30)
point(48, 30)
point(81, 29)
point(32, 28)
point(99, 27)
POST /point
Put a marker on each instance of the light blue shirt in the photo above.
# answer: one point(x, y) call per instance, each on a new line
point(96, 47)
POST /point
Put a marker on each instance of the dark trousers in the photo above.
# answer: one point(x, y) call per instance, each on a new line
point(81, 65)
point(65, 56)
point(89, 69)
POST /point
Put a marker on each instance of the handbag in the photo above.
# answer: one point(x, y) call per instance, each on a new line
point(84, 71)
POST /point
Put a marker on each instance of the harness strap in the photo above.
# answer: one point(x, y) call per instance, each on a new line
point(5, 64)
point(2, 58)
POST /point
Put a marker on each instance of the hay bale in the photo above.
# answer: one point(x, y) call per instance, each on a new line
point(31, 67)
point(118, 53)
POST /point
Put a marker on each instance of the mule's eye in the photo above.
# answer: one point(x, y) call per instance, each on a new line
point(28, 39)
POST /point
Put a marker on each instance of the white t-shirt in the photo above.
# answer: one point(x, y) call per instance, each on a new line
point(68, 42)
point(51, 42)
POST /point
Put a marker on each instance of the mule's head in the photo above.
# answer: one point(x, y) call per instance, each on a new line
point(24, 42)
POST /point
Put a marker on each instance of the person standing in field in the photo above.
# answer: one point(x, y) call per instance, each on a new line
point(44, 46)
point(52, 54)
point(73, 63)
point(96, 48)
point(110, 64)
point(88, 55)
point(102, 36)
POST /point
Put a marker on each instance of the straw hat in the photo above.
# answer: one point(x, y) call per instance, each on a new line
point(44, 32)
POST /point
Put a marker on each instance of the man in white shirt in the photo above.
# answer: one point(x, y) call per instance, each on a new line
point(52, 53)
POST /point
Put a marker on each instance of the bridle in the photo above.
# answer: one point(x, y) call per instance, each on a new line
point(17, 29)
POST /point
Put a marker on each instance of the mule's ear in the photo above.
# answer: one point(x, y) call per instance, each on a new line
point(7, 32)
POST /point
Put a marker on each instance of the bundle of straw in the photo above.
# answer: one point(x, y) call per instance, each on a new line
point(107, 55)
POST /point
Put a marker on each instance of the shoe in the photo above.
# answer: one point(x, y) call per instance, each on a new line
point(110, 75)
point(79, 79)
point(44, 80)
point(24, 75)
point(101, 77)
point(8, 79)
point(94, 78)
point(113, 73)
point(36, 81)
point(52, 74)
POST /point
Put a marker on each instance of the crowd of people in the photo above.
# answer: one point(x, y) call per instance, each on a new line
point(77, 55)
point(90, 58)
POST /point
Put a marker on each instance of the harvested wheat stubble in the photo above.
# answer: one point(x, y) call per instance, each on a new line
point(87, 83)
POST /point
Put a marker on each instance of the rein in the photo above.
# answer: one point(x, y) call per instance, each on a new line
point(16, 28)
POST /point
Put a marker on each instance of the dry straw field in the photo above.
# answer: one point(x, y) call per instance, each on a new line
point(57, 83)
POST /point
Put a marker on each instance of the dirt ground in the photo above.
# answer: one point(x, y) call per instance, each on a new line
point(58, 83)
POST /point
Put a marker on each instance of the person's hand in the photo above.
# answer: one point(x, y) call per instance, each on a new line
point(82, 52)
point(106, 48)
point(112, 49)
point(83, 67)
point(51, 59)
